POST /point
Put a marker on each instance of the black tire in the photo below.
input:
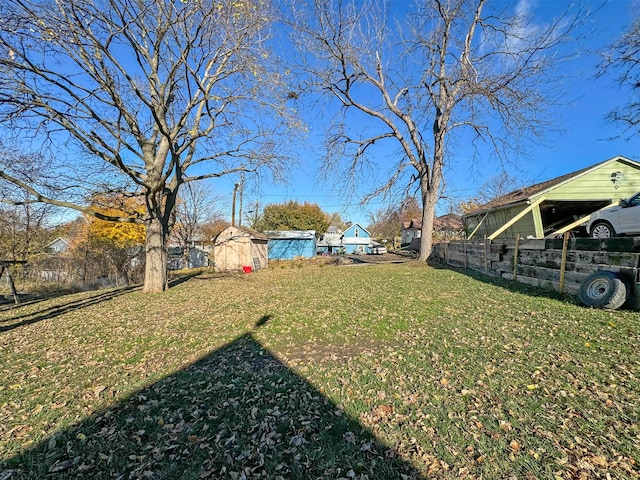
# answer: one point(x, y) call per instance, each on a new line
point(602, 230)
point(605, 290)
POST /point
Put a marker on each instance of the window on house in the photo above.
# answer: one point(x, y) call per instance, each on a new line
point(357, 232)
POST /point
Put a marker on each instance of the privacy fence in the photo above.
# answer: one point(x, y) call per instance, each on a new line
point(561, 264)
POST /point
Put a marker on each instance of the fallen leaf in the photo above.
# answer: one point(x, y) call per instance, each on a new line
point(97, 390)
point(350, 437)
point(60, 466)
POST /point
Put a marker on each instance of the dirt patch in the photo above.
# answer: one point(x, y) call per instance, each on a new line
point(402, 257)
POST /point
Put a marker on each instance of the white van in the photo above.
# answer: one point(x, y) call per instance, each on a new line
point(614, 220)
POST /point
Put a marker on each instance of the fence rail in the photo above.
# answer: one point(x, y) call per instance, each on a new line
point(561, 264)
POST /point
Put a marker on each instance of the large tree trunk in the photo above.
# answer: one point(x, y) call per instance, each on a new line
point(155, 274)
point(429, 186)
point(429, 199)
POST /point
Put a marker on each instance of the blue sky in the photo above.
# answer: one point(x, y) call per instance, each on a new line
point(582, 135)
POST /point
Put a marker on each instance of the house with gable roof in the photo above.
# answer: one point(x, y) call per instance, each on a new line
point(555, 206)
point(410, 229)
point(58, 245)
point(445, 227)
point(357, 239)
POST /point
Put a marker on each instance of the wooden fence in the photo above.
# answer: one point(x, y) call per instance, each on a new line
point(560, 264)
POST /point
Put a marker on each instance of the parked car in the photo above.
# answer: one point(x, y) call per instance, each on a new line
point(614, 220)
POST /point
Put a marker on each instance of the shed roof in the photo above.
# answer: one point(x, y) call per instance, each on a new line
point(244, 231)
point(291, 234)
point(526, 193)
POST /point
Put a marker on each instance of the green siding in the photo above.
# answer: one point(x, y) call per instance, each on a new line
point(594, 185)
point(537, 221)
point(597, 185)
point(496, 219)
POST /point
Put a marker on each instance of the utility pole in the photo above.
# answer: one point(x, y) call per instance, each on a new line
point(241, 195)
point(233, 205)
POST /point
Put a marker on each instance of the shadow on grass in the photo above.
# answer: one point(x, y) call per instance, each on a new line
point(20, 320)
point(263, 320)
point(181, 278)
point(54, 311)
point(388, 258)
point(7, 302)
point(510, 285)
point(238, 413)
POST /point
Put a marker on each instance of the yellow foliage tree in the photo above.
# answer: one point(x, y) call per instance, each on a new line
point(120, 235)
point(107, 248)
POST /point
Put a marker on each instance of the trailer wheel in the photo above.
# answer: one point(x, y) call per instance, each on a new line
point(605, 289)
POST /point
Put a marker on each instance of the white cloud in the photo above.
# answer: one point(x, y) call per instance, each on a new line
point(522, 28)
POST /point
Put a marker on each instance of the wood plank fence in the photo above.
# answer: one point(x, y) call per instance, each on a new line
point(560, 264)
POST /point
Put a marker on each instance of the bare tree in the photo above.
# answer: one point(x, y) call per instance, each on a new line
point(387, 222)
point(195, 208)
point(498, 186)
point(22, 224)
point(23, 231)
point(334, 219)
point(448, 68)
point(253, 215)
point(139, 96)
point(624, 59)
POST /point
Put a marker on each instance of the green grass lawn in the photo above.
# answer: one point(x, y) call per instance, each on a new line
point(365, 372)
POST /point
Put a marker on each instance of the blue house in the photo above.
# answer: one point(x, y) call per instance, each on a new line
point(289, 244)
point(354, 240)
point(357, 239)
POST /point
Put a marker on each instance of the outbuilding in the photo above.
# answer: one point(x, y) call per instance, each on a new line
point(236, 248)
point(290, 244)
point(558, 205)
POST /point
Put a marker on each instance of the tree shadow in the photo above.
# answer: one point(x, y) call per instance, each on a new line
point(183, 278)
point(509, 285)
point(238, 413)
point(54, 311)
point(263, 320)
point(357, 259)
point(388, 258)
